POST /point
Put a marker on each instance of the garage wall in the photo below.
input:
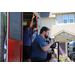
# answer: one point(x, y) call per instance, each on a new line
point(59, 19)
point(48, 22)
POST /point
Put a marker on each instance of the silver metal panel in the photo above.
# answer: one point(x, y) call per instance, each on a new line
point(3, 29)
point(2, 38)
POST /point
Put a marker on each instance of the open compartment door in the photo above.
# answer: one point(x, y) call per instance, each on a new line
point(15, 36)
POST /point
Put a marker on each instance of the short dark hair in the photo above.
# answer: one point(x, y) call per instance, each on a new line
point(44, 29)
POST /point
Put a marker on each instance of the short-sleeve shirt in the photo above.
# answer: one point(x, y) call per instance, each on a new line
point(27, 34)
point(36, 48)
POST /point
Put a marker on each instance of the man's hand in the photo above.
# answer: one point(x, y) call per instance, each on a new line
point(33, 16)
point(50, 51)
point(36, 24)
point(51, 42)
point(55, 55)
point(52, 56)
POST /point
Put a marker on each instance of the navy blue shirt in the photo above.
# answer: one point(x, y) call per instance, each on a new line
point(27, 34)
point(36, 48)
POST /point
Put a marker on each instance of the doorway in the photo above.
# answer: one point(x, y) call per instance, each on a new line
point(16, 21)
point(61, 48)
point(27, 17)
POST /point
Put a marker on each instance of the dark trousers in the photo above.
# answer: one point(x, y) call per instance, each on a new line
point(37, 60)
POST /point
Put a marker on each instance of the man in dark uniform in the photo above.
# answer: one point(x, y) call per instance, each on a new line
point(40, 47)
point(27, 34)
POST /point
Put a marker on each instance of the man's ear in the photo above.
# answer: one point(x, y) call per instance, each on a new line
point(44, 32)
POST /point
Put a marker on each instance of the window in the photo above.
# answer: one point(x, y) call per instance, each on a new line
point(71, 18)
point(15, 25)
point(65, 18)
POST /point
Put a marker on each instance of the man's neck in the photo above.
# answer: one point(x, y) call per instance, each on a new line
point(42, 36)
point(28, 27)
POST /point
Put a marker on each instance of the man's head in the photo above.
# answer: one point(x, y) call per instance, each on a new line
point(28, 24)
point(45, 31)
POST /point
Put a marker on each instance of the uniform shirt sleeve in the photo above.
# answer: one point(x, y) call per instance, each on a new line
point(32, 29)
point(42, 42)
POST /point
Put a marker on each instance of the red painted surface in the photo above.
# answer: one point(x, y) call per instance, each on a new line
point(15, 47)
